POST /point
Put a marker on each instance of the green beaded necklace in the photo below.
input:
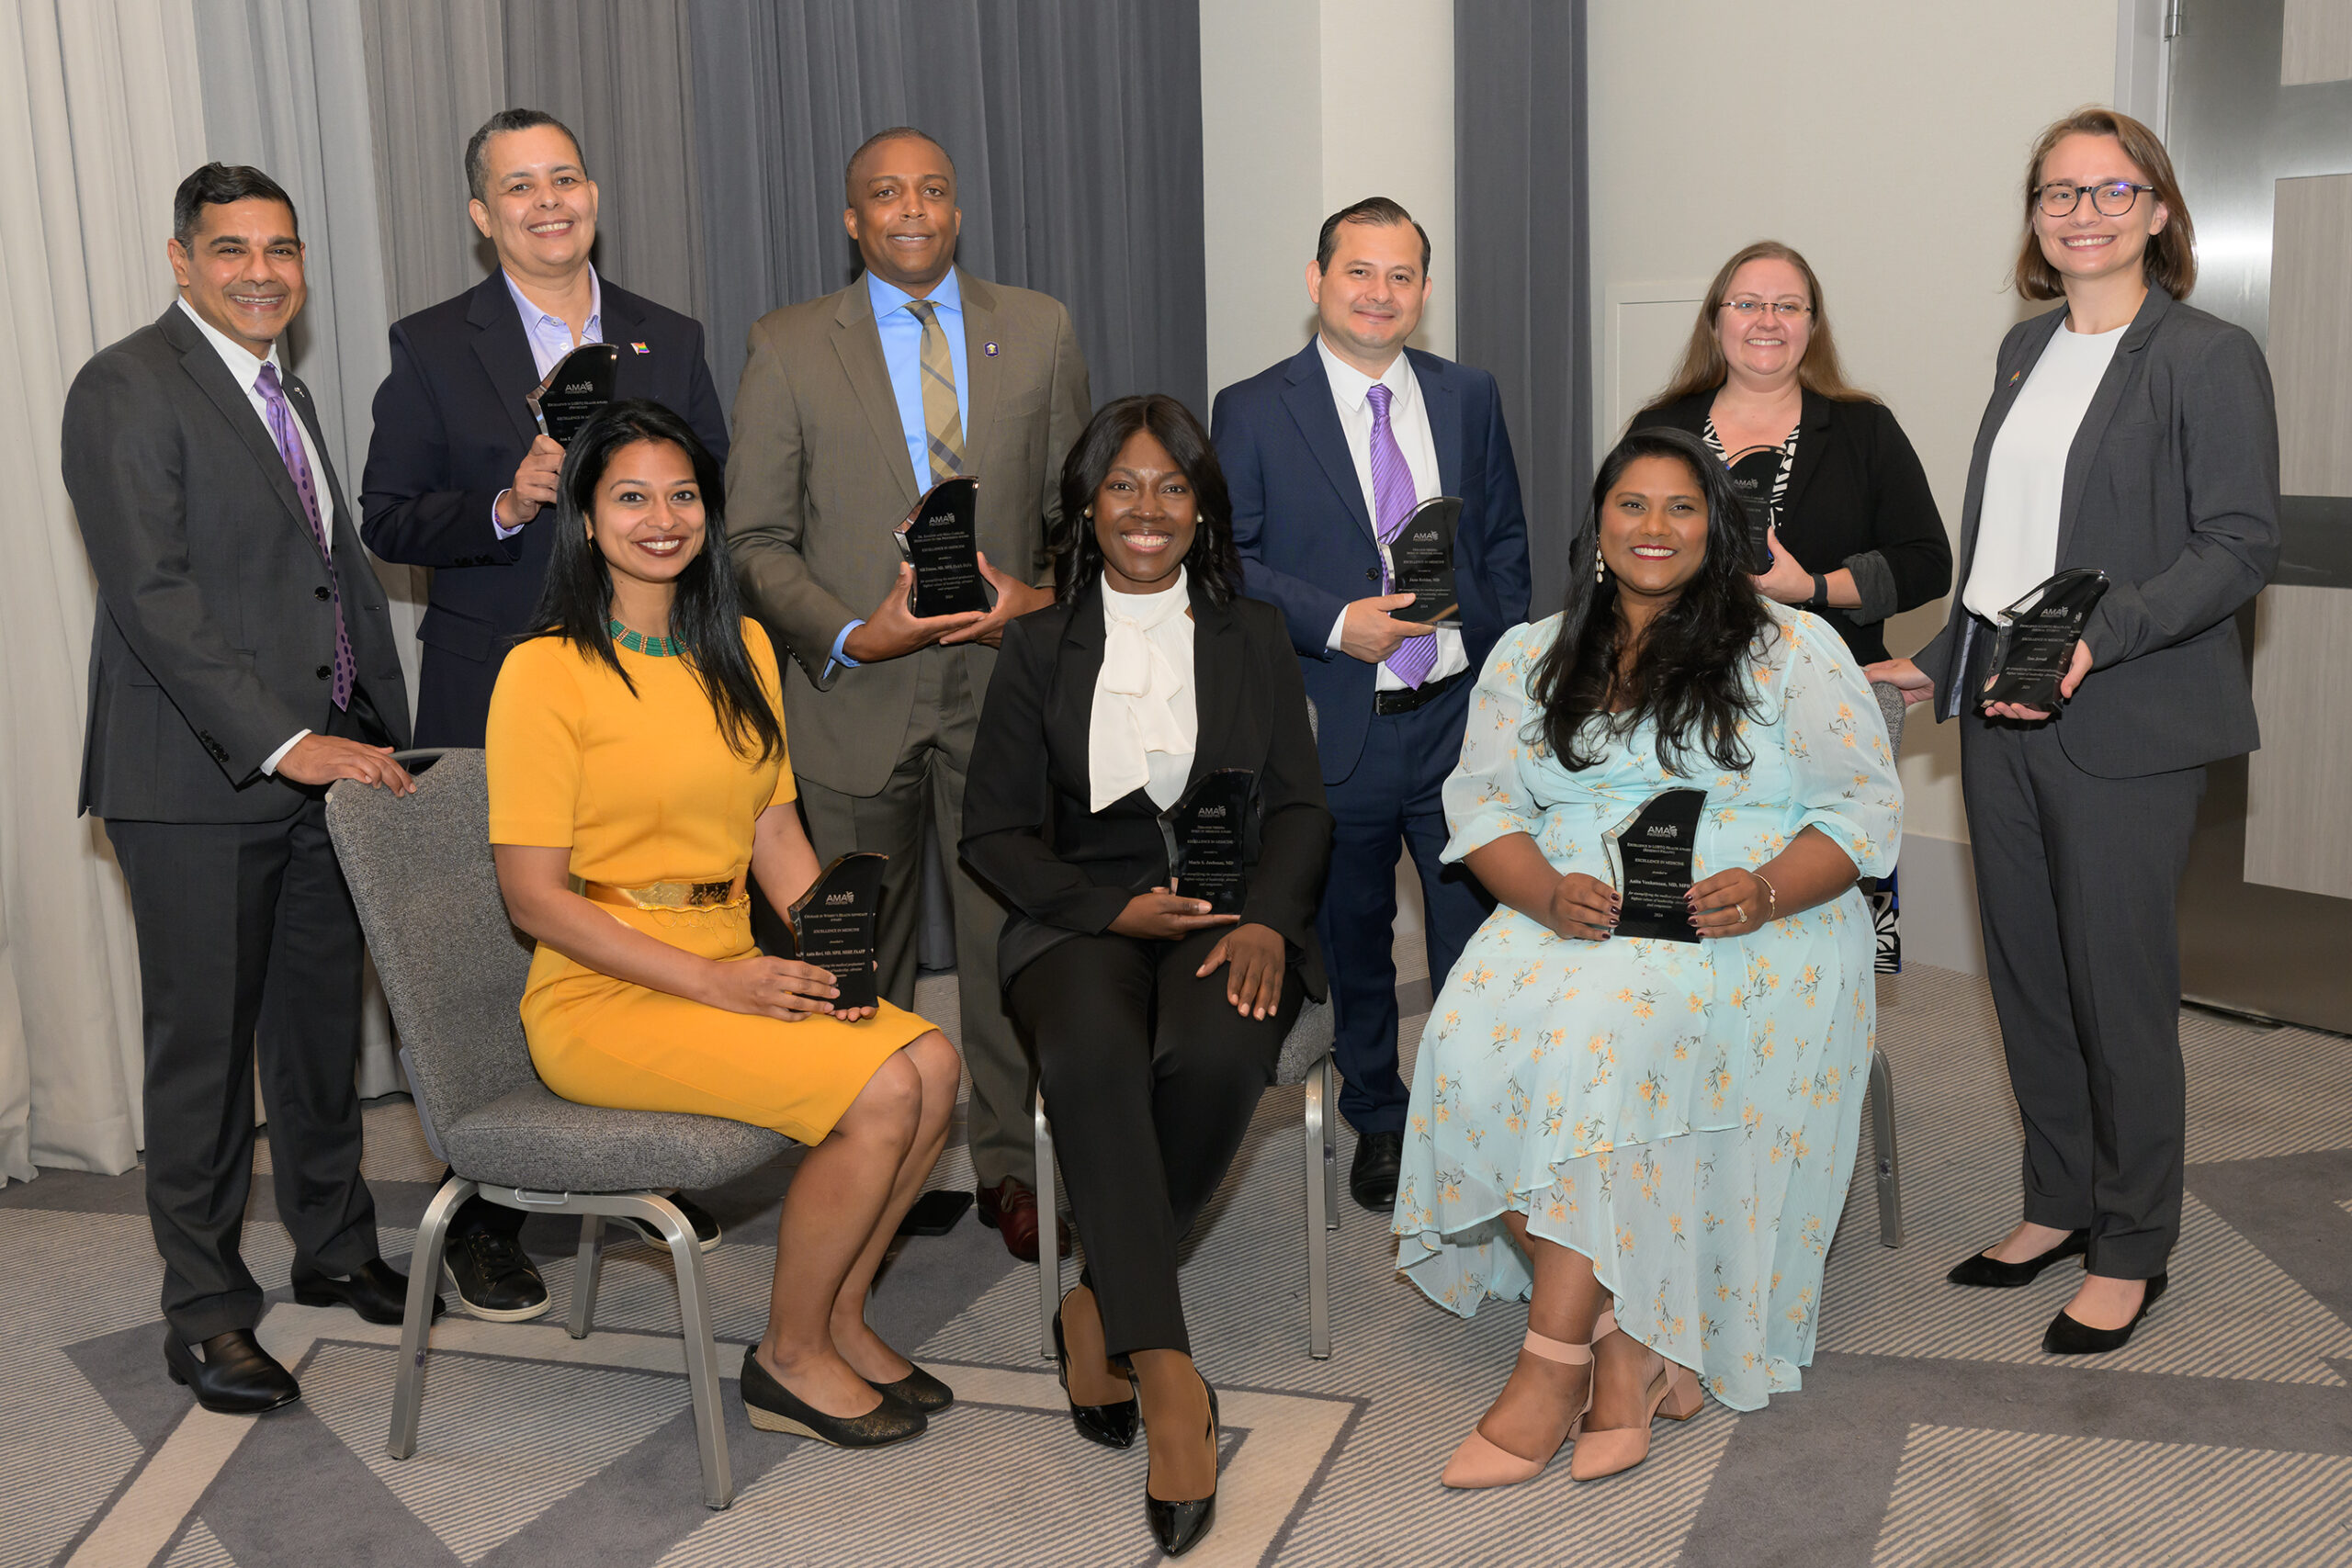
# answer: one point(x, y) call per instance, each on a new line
point(651, 647)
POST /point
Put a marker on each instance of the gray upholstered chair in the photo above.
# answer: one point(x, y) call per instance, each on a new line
point(1891, 708)
point(453, 969)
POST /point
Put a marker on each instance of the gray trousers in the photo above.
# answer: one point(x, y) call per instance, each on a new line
point(925, 793)
point(2077, 879)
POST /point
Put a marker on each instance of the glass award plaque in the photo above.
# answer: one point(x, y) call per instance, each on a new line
point(1207, 833)
point(1649, 863)
point(1753, 474)
point(575, 391)
point(942, 537)
point(833, 925)
point(2038, 637)
point(1421, 558)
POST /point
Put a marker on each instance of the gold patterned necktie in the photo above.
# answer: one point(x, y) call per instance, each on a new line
point(943, 427)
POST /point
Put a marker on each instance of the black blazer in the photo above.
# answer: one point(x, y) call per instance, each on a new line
point(1857, 499)
point(451, 426)
point(2172, 489)
point(1068, 871)
point(214, 638)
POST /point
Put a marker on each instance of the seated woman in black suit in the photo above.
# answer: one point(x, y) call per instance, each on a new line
point(1156, 1023)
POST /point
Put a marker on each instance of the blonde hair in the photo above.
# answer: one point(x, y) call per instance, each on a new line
point(2170, 260)
point(1703, 367)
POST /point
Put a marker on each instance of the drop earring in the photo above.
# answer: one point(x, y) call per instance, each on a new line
point(1600, 569)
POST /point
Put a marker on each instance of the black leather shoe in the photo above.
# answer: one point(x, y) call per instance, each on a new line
point(773, 1408)
point(1991, 1273)
point(1180, 1526)
point(1113, 1426)
point(705, 1228)
point(2064, 1336)
point(235, 1376)
point(1373, 1177)
point(918, 1388)
point(373, 1291)
point(493, 1277)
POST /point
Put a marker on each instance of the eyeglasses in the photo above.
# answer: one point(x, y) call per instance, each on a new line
point(1748, 309)
point(2112, 199)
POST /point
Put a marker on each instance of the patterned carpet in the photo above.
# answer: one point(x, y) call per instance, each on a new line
point(1929, 1431)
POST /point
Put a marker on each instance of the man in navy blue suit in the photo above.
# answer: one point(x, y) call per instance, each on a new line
point(459, 478)
point(1326, 455)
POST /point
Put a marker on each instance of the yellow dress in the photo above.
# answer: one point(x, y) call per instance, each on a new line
point(643, 788)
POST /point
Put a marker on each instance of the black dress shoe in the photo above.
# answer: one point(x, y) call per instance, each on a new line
point(1373, 1177)
point(493, 1277)
point(2066, 1337)
point(234, 1377)
point(1180, 1526)
point(1991, 1273)
point(1113, 1426)
point(373, 1291)
point(771, 1407)
point(918, 1388)
point(705, 1229)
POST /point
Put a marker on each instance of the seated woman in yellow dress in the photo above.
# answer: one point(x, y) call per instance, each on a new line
point(637, 772)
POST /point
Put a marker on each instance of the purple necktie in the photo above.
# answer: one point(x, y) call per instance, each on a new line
point(1392, 502)
point(297, 464)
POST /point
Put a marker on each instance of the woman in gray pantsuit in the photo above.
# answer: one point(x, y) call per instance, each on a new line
point(2132, 434)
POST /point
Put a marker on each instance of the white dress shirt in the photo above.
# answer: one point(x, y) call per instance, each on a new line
point(1408, 421)
point(1145, 724)
point(2025, 476)
point(245, 370)
point(550, 339)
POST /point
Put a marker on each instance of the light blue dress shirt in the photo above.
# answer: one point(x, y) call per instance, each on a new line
point(901, 335)
point(550, 339)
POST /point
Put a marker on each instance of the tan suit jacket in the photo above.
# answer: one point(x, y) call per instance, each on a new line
point(819, 477)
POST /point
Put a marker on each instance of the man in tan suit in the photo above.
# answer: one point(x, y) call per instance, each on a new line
point(850, 407)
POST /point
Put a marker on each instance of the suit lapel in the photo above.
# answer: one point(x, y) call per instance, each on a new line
point(1070, 720)
point(202, 362)
point(857, 343)
point(1997, 413)
point(2096, 418)
point(1442, 401)
point(505, 352)
point(981, 368)
point(1216, 667)
point(1309, 397)
point(1813, 424)
point(623, 327)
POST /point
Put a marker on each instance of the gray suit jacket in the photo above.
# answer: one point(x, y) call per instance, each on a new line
point(2172, 489)
point(818, 477)
point(214, 630)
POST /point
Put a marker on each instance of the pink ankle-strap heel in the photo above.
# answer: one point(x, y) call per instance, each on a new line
point(1674, 1392)
point(1478, 1464)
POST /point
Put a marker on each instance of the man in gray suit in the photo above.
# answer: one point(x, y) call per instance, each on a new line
point(852, 406)
point(242, 660)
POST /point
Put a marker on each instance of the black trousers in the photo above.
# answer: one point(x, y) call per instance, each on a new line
point(2077, 879)
point(1150, 1076)
point(247, 939)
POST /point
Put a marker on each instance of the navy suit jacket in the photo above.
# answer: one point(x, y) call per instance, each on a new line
point(451, 426)
point(1307, 541)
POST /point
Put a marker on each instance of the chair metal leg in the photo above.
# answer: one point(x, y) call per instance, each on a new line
point(702, 1356)
point(587, 1273)
point(1890, 1171)
point(416, 1323)
point(1327, 1075)
point(1315, 1145)
point(1049, 1262)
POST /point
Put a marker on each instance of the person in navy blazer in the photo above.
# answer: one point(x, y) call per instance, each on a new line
point(454, 441)
point(1317, 451)
point(459, 478)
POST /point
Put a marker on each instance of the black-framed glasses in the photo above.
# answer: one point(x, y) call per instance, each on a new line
point(2112, 199)
point(1748, 309)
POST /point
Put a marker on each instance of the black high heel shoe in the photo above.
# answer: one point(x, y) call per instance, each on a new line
point(2067, 1336)
point(1991, 1273)
point(1180, 1526)
point(1113, 1426)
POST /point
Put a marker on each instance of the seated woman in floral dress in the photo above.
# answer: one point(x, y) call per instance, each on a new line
point(1650, 1139)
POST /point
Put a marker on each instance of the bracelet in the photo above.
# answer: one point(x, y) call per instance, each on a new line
point(1773, 911)
point(1820, 591)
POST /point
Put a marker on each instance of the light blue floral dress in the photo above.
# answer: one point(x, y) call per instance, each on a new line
point(1683, 1114)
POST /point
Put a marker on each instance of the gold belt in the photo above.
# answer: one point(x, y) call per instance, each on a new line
point(668, 895)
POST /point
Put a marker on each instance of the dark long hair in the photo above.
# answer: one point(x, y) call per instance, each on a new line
point(1212, 562)
point(1689, 673)
point(707, 616)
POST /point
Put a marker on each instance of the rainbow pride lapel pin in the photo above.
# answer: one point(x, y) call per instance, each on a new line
point(640, 348)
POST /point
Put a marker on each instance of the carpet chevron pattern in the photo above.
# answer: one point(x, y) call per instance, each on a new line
point(1929, 1431)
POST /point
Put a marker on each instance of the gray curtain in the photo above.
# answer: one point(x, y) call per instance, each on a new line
point(1076, 130)
point(1525, 308)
